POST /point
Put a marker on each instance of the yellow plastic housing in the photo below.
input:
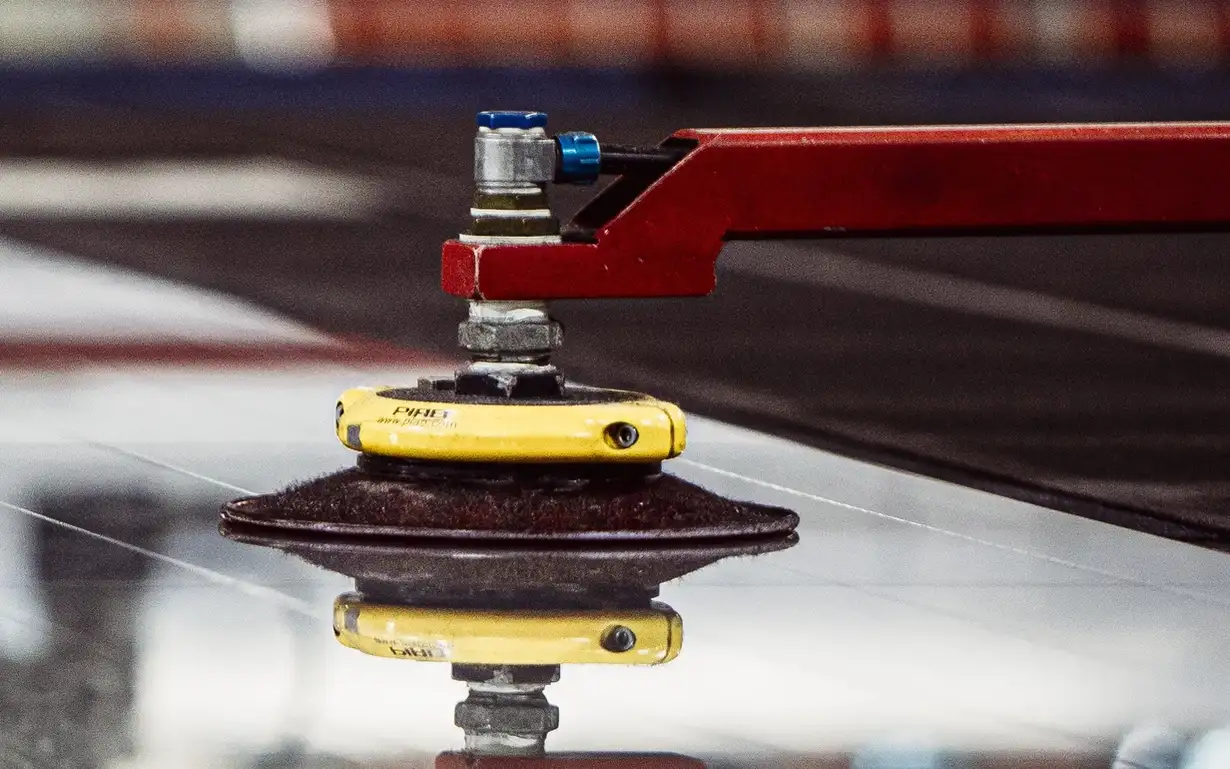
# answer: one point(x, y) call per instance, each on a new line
point(520, 432)
point(505, 637)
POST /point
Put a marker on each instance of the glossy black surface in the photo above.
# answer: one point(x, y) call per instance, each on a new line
point(912, 616)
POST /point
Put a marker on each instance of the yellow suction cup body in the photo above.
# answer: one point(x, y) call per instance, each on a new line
point(591, 425)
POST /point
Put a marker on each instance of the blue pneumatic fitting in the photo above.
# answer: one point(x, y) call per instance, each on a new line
point(580, 157)
point(511, 119)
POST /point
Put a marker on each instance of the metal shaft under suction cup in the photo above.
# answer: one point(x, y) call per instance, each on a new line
point(506, 713)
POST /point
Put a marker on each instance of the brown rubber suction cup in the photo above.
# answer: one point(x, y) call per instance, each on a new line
point(441, 568)
point(627, 508)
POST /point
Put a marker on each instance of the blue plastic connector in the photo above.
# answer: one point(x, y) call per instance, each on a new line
point(511, 119)
point(580, 157)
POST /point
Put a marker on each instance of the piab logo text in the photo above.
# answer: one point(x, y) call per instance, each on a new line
point(417, 416)
point(417, 412)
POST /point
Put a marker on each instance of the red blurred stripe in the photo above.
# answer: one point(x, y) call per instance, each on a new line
point(758, 29)
point(743, 33)
point(985, 38)
point(878, 28)
point(1130, 20)
point(1223, 27)
point(355, 28)
point(661, 49)
point(72, 354)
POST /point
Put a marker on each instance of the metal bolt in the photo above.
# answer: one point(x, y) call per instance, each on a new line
point(482, 311)
point(507, 677)
point(618, 638)
point(622, 435)
point(503, 379)
point(513, 161)
point(506, 712)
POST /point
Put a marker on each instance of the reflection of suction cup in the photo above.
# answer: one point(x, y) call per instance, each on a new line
point(427, 572)
point(484, 760)
point(1210, 751)
point(506, 615)
point(1149, 747)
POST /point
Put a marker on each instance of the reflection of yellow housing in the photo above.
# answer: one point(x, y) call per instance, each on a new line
point(506, 432)
point(482, 637)
point(622, 760)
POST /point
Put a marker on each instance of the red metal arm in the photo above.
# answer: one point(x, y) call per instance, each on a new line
point(764, 183)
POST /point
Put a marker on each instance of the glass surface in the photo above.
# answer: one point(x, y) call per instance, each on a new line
point(916, 624)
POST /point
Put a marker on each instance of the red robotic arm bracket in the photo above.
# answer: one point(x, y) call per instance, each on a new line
point(791, 182)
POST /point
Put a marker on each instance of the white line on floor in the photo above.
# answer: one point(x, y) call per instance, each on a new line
point(256, 591)
point(821, 267)
point(1173, 589)
point(165, 465)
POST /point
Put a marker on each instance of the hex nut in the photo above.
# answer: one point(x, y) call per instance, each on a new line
point(510, 337)
point(506, 718)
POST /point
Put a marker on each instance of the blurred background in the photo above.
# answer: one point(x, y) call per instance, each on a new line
point(311, 156)
point(262, 187)
point(816, 36)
